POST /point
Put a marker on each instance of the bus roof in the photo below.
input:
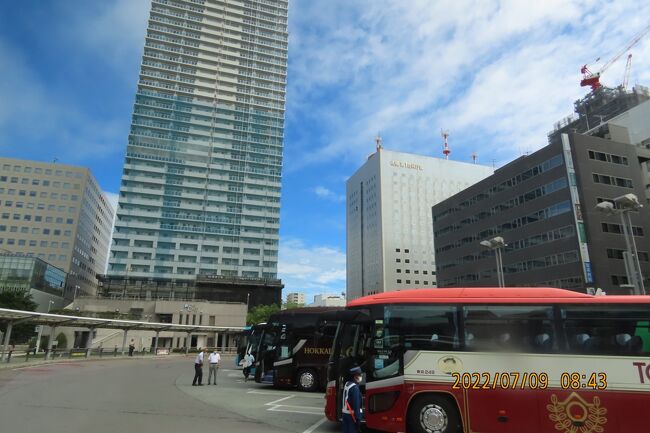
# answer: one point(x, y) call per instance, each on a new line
point(493, 295)
point(307, 310)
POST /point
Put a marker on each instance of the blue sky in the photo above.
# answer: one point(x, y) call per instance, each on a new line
point(497, 74)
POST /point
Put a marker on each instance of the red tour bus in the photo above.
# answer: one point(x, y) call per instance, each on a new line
point(488, 360)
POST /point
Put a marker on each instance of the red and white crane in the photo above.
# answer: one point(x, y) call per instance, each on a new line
point(592, 79)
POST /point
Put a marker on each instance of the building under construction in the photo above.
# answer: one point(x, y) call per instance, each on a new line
point(594, 111)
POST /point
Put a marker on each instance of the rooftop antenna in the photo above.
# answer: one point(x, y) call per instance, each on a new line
point(445, 151)
point(494, 163)
point(474, 157)
point(378, 142)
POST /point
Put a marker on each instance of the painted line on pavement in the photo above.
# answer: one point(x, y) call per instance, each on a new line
point(315, 425)
point(278, 409)
point(274, 402)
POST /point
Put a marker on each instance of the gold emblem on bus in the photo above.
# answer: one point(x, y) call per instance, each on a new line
point(575, 415)
point(450, 364)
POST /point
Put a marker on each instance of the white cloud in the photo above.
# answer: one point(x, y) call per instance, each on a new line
point(113, 30)
point(327, 193)
point(311, 269)
point(498, 74)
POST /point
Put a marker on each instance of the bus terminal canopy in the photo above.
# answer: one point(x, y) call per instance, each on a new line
point(19, 316)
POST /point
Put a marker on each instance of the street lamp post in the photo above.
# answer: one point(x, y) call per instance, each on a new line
point(624, 205)
point(497, 244)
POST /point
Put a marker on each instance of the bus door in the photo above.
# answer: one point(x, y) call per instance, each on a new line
point(266, 354)
point(349, 351)
point(282, 363)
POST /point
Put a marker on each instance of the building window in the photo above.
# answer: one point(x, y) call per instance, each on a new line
point(399, 271)
point(399, 281)
point(607, 157)
point(406, 251)
point(398, 260)
point(397, 250)
point(612, 180)
point(408, 281)
point(425, 283)
point(407, 261)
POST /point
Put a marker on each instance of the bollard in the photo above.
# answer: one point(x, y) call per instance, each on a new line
point(115, 351)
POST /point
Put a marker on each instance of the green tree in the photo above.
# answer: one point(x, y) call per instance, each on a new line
point(18, 300)
point(261, 313)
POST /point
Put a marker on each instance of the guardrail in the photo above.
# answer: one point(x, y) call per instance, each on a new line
point(16, 356)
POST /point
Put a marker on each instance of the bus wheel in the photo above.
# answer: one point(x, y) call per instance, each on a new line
point(433, 414)
point(307, 380)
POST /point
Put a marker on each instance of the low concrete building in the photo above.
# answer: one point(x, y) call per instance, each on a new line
point(296, 298)
point(161, 311)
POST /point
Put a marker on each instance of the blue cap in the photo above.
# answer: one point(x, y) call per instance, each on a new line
point(355, 370)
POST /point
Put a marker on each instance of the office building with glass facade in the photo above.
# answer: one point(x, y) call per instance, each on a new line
point(46, 283)
point(59, 214)
point(200, 190)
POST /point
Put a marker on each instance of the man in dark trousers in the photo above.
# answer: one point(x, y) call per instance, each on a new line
point(198, 368)
point(352, 403)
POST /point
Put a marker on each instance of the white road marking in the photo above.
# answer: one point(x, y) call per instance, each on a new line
point(278, 409)
point(274, 402)
point(252, 391)
point(315, 425)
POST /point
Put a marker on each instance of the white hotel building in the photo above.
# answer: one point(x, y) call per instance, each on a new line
point(389, 236)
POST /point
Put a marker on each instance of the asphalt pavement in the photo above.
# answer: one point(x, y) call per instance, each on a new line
point(149, 395)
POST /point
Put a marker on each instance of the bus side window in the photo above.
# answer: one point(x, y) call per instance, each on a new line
point(509, 328)
point(607, 330)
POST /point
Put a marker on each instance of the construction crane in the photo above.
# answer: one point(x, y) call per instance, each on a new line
point(593, 79)
point(626, 75)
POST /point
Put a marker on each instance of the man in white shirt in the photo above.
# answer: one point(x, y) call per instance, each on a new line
point(198, 368)
point(249, 360)
point(214, 360)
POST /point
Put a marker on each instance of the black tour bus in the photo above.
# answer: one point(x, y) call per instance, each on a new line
point(294, 348)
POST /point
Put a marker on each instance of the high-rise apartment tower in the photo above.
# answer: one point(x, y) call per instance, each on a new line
point(200, 190)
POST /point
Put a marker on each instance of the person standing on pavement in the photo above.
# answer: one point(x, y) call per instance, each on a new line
point(131, 347)
point(352, 410)
point(214, 360)
point(198, 368)
point(249, 359)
